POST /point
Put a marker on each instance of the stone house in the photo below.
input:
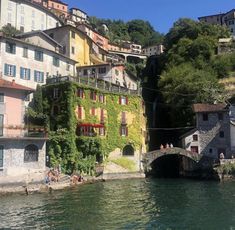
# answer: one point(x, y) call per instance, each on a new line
point(212, 133)
point(22, 149)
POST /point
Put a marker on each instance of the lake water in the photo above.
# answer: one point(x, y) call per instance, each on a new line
point(125, 204)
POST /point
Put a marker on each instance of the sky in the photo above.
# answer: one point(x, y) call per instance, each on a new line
point(160, 13)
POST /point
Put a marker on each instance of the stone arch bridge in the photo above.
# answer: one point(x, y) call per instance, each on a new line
point(174, 159)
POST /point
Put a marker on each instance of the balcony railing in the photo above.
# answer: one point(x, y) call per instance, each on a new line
point(18, 131)
point(95, 83)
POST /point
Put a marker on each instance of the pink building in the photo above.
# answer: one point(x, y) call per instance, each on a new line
point(22, 151)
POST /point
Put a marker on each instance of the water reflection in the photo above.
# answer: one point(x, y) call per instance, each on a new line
point(128, 204)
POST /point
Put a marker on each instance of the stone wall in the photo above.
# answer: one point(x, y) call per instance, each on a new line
point(13, 158)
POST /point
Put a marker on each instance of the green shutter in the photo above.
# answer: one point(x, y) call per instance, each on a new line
point(5, 69)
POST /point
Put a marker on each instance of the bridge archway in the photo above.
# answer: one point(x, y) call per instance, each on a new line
point(171, 162)
point(172, 166)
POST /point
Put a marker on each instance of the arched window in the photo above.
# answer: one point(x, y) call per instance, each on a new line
point(31, 153)
point(128, 150)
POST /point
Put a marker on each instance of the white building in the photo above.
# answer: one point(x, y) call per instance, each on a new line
point(32, 59)
point(153, 50)
point(114, 73)
point(26, 16)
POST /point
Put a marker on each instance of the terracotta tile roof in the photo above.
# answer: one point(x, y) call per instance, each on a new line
point(198, 108)
point(13, 85)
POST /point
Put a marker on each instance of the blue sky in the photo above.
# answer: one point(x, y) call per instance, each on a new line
point(160, 13)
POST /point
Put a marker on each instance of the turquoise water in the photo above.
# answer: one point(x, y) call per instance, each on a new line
point(126, 204)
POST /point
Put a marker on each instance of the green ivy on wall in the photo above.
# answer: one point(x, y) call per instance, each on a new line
point(78, 152)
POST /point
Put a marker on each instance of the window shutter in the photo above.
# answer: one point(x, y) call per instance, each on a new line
point(14, 49)
point(14, 71)
point(95, 96)
point(126, 131)
point(29, 74)
point(127, 100)
point(5, 69)
point(80, 112)
point(21, 72)
point(35, 75)
point(120, 130)
point(42, 77)
point(120, 100)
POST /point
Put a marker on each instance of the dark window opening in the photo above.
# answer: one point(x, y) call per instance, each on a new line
point(31, 153)
point(205, 116)
point(128, 150)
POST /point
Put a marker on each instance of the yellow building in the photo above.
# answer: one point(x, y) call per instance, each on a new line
point(77, 45)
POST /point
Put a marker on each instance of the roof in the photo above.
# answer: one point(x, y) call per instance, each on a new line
point(212, 15)
point(60, 2)
point(36, 32)
point(30, 44)
point(199, 108)
point(13, 85)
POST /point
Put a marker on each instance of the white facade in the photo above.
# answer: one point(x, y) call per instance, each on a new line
point(153, 50)
point(22, 66)
point(113, 74)
point(26, 16)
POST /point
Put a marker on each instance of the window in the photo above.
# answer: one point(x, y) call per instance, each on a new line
point(101, 131)
point(56, 93)
point(73, 50)
point(1, 97)
point(79, 112)
point(24, 73)
point(1, 124)
point(25, 52)
point(195, 137)
point(93, 95)
point(55, 110)
point(73, 34)
point(38, 55)
point(85, 72)
point(220, 116)
point(9, 18)
point(116, 72)
point(210, 150)
point(31, 153)
point(10, 47)
point(80, 93)
point(22, 20)
point(124, 130)
point(21, 29)
point(56, 61)
point(205, 117)
point(123, 118)
point(38, 76)
point(123, 100)
point(93, 111)
point(102, 70)
point(102, 116)
point(67, 66)
point(1, 156)
point(10, 70)
point(101, 98)
point(221, 134)
point(194, 149)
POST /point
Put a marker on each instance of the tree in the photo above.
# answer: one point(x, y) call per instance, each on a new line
point(9, 31)
point(184, 85)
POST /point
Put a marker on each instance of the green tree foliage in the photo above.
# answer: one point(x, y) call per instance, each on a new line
point(9, 31)
point(137, 31)
point(184, 85)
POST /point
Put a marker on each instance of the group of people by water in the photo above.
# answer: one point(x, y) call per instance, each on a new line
point(53, 175)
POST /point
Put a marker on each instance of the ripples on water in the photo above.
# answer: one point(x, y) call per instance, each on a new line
point(128, 204)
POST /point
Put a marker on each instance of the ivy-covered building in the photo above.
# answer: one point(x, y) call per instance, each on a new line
point(93, 121)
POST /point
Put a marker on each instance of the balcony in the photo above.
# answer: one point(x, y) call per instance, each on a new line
point(22, 132)
point(95, 83)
